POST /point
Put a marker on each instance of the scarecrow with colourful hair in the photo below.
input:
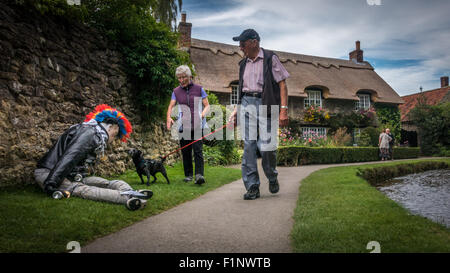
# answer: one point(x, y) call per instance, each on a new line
point(61, 171)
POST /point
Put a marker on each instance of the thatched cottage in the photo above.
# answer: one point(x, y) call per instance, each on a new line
point(334, 84)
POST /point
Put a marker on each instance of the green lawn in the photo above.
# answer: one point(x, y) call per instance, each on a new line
point(33, 222)
point(338, 211)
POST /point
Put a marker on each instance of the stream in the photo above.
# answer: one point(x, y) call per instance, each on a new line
point(426, 194)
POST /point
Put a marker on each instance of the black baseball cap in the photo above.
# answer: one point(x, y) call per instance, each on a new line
point(247, 35)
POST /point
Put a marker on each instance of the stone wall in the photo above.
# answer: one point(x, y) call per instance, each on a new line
point(53, 73)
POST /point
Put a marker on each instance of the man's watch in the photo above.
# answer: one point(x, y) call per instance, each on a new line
point(284, 107)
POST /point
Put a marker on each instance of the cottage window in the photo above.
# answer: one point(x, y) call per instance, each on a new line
point(314, 98)
point(234, 99)
point(363, 103)
point(314, 131)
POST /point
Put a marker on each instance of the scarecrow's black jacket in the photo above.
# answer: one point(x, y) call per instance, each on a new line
point(69, 151)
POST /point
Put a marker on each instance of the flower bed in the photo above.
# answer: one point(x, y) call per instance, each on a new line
point(315, 114)
point(311, 139)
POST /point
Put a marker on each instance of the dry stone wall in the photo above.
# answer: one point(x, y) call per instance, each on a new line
point(53, 73)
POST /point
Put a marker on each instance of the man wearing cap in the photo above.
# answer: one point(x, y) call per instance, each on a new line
point(80, 143)
point(262, 83)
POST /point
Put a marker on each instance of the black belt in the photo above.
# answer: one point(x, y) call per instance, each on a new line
point(252, 94)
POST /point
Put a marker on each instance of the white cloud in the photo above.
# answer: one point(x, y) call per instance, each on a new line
point(408, 80)
point(224, 18)
point(396, 30)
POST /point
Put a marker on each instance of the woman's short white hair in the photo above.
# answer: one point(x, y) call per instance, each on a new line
point(183, 69)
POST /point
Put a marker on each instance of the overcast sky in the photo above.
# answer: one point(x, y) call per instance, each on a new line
point(407, 41)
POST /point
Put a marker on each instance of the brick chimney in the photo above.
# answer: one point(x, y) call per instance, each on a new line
point(185, 32)
point(444, 81)
point(357, 54)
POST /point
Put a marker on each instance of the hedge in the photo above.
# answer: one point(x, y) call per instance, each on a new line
point(375, 176)
point(297, 155)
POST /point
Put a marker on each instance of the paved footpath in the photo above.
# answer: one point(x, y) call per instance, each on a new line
point(219, 221)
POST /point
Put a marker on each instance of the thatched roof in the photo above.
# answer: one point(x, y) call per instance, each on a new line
point(216, 67)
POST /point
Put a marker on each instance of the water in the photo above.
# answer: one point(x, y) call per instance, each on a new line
point(426, 194)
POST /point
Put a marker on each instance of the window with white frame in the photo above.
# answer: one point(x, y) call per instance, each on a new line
point(234, 98)
point(314, 131)
point(314, 98)
point(363, 103)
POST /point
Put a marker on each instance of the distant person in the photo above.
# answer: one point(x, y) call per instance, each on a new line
point(262, 82)
point(61, 170)
point(391, 144)
point(383, 144)
point(186, 94)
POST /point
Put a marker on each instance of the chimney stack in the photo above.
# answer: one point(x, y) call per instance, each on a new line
point(357, 54)
point(444, 81)
point(185, 32)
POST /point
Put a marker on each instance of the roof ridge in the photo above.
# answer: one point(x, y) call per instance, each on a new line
point(316, 60)
point(436, 89)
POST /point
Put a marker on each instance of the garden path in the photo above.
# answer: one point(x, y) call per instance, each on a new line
point(219, 221)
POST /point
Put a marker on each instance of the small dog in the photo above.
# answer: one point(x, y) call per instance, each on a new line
point(147, 167)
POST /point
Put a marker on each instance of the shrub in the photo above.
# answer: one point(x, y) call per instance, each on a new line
point(405, 152)
point(433, 122)
point(219, 152)
point(389, 117)
point(213, 156)
point(359, 154)
point(315, 114)
point(369, 137)
point(444, 151)
point(352, 120)
point(299, 155)
point(341, 137)
point(375, 176)
point(216, 156)
point(317, 155)
point(149, 49)
point(58, 8)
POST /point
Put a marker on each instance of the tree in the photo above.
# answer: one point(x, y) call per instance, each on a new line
point(149, 48)
point(433, 124)
point(389, 117)
point(165, 11)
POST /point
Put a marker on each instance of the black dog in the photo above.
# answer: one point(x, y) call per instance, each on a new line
point(147, 167)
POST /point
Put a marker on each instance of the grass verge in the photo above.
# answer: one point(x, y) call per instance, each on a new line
point(337, 211)
point(32, 222)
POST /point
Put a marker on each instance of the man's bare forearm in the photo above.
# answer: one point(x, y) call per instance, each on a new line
point(283, 93)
